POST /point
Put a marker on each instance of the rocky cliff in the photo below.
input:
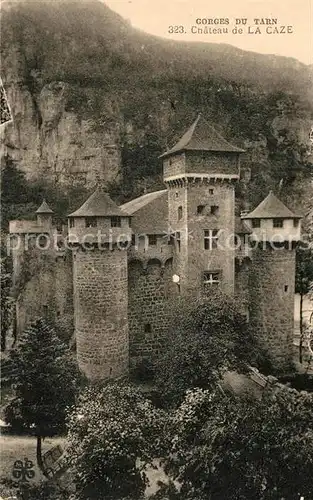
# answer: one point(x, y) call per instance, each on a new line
point(94, 99)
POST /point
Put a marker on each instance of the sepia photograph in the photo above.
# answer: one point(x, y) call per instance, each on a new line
point(156, 250)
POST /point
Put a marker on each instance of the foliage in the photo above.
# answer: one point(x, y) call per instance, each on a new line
point(114, 432)
point(45, 380)
point(304, 282)
point(21, 197)
point(6, 300)
point(152, 89)
point(304, 269)
point(207, 338)
point(227, 448)
point(42, 491)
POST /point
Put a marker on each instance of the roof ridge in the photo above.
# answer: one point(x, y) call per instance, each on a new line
point(270, 208)
point(207, 139)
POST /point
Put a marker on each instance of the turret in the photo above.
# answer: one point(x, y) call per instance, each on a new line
point(200, 172)
point(44, 215)
point(99, 232)
point(273, 223)
point(275, 232)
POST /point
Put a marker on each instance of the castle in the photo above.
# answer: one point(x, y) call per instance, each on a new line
point(114, 280)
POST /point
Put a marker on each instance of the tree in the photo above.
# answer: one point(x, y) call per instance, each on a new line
point(230, 449)
point(304, 281)
point(114, 432)
point(5, 297)
point(207, 339)
point(45, 380)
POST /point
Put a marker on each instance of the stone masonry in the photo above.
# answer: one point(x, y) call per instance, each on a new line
point(117, 292)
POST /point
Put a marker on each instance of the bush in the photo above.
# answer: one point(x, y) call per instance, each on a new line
point(114, 433)
point(209, 337)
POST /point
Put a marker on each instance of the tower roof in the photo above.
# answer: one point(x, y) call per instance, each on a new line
point(202, 136)
point(271, 208)
point(44, 208)
point(99, 204)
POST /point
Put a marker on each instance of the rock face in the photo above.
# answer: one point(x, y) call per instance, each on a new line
point(82, 83)
point(46, 140)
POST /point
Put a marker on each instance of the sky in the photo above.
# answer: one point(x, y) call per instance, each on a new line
point(156, 16)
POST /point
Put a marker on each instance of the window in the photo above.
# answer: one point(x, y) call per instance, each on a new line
point(147, 328)
point(211, 278)
point(45, 311)
point(286, 288)
point(278, 223)
point(178, 240)
point(115, 222)
point(200, 209)
point(91, 221)
point(295, 222)
point(72, 222)
point(211, 191)
point(214, 209)
point(256, 223)
point(130, 221)
point(180, 212)
point(210, 238)
point(176, 194)
point(152, 239)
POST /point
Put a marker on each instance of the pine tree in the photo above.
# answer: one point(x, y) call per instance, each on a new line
point(45, 380)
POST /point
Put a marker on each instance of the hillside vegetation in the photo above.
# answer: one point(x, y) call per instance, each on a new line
point(146, 91)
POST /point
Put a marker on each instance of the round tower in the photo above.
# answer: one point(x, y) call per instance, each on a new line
point(200, 172)
point(275, 233)
point(98, 234)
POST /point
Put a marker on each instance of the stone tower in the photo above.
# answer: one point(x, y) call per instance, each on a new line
point(200, 172)
point(275, 232)
point(44, 215)
point(98, 233)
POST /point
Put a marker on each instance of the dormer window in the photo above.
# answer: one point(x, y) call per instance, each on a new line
point(116, 222)
point(256, 223)
point(278, 223)
point(90, 221)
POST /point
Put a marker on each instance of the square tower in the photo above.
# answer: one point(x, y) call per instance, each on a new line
point(200, 172)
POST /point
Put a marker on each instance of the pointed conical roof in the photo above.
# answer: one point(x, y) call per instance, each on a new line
point(271, 208)
point(44, 208)
point(99, 204)
point(201, 136)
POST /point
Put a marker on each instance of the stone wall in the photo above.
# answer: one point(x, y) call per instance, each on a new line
point(208, 162)
point(191, 260)
point(242, 291)
point(101, 323)
point(150, 293)
point(272, 288)
point(43, 287)
point(174, 165)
